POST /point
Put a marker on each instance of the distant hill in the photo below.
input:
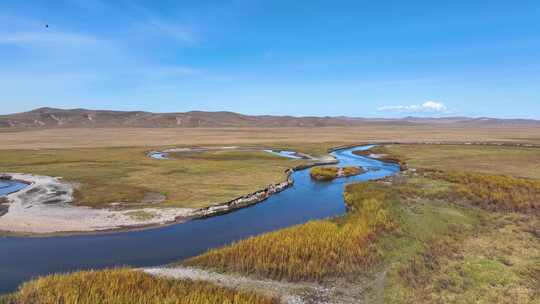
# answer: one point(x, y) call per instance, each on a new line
point(80, 118)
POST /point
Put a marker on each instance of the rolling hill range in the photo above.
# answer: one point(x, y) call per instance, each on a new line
point(80, 118)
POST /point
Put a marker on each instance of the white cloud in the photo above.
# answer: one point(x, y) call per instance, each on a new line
point(426, 107)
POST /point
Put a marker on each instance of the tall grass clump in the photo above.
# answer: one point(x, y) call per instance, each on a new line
point(323, 173)
point(120, 286)
point(495, 192)
point(349, 171)
point(312, 251)
point(329, 173)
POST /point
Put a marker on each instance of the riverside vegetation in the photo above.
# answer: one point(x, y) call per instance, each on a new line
point(381, 153)
point(434, 235)
point(119, 286)
point(314, 250)
point(422, 229)
point(328, 173)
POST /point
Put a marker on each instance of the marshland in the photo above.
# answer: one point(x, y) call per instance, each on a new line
point(392, 238)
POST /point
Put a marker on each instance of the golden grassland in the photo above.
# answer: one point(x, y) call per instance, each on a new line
point(494, 192)
point(500, 191)
point(520, 162)
point(315, 250)
point(129, 176)
point(430, 249)
point(423, 230)
point(120, 286)
point(150, 137)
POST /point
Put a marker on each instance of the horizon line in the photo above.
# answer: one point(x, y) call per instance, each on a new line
point(409, 116)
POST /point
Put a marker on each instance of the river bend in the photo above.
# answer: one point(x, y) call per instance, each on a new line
point(22, 258)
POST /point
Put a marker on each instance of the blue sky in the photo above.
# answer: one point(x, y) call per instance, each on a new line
point(354, 58)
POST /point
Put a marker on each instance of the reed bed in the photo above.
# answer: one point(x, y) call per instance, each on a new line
point(349, 171)
point(495, 192)
point(323, 173)
point(120, 286)
point(331, 172)
point(315, 250)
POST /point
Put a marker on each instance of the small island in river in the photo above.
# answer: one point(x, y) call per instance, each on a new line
point(331, 172)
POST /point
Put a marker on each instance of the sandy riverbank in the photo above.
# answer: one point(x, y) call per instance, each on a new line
point(45, 207)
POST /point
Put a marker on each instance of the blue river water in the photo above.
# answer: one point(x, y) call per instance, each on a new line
point(10, 186)
point(289, 154)
point(22, 258)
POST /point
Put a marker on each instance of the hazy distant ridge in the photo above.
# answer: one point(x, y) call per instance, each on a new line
point(54, 118)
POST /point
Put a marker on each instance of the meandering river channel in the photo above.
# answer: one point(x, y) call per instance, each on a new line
point(22, 258)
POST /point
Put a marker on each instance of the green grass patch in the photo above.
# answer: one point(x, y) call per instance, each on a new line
point(127, 175)
point(452, 253)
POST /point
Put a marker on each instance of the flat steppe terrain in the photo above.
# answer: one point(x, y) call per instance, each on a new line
point(149, 137)
point(110, 165)
point(129, 178)
point(460, 226)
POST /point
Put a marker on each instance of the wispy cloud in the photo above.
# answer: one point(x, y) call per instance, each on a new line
point(426, 107)
point(45, 37)
point(151, 24)
point(177, 32)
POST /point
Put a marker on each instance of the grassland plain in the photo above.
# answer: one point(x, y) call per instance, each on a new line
point(150, 137)
point(431, 236)
point(120, 286)
point(129, 176)
point(520, 162)
point(422, 230)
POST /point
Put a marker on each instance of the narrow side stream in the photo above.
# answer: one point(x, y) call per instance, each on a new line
point(24, 258)
point(10, 186)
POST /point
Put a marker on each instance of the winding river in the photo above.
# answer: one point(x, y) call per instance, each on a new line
point(23, 258)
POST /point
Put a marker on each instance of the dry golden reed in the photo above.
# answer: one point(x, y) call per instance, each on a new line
point(120, 286)
point(312, 251)
point(323, 173)
point(495, 192)
point(329, 173)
